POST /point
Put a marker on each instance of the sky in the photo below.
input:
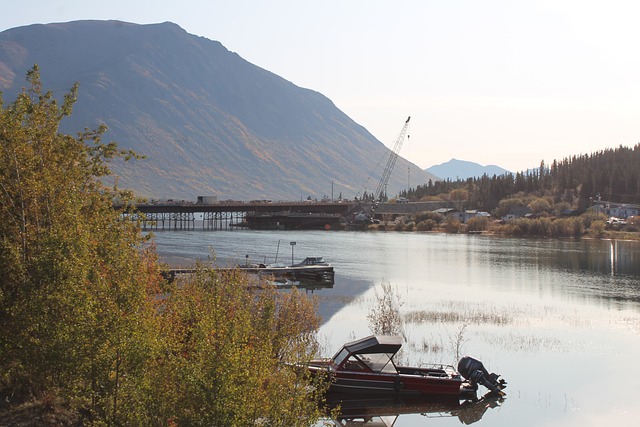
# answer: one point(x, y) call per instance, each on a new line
point(501, 82)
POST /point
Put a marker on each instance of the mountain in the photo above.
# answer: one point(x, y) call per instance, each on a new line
point(208, 122)
point(461, 169)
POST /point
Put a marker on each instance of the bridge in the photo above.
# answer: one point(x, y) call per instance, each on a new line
point(184, 215)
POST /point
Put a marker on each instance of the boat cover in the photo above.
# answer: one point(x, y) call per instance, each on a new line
point(375, 344)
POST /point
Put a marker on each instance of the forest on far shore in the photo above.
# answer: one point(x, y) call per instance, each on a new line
point(558, 199)
point(573, 183)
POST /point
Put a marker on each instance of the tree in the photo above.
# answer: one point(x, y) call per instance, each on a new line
point(74, 294)
point(541, 205)
point(86, 318)
point(505, 206)
point(459, 197)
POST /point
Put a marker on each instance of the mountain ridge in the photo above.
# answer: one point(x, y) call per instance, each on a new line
point(209, 122)
point(456, 169)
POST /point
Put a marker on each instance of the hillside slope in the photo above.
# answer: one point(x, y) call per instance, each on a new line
point(209, 122)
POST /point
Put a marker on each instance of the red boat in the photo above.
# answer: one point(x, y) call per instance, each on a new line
point(366, 367)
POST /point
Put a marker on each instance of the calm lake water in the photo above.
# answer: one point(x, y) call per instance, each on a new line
point(558, 319)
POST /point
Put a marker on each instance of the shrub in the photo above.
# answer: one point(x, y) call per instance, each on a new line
point(591, 216)
point(385, 318)
point(598, 228)
point(426, 225)
point(539, 227)
point(478, 223)
point(453, 226)
point(226, 354)
point(434, 216)
point(567, 227)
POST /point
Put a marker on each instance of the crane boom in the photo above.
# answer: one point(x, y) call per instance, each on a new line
point(367, 207)
point(384, 180)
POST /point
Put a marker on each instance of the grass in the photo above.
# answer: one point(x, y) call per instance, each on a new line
point(512, 328)
point(433, 316)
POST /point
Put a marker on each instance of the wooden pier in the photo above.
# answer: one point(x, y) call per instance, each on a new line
point(186, 216)
point(309, 278)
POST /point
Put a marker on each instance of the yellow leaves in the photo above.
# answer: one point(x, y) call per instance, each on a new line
point(86, 313)
point(72, 297)
point(224, 348)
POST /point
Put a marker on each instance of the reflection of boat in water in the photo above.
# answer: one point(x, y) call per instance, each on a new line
point(386, 411)
point(367, 367)
point(313, 269)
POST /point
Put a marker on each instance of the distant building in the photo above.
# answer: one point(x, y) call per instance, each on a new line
point(616, 210)
point(464, 216)
point(516, 212)
point(207, 200)
point(444, 211)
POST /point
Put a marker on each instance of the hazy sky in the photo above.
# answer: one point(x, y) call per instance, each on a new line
point(506, 82)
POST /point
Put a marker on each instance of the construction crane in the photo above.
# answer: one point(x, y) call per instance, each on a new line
point(381, 191)
point(367, 208)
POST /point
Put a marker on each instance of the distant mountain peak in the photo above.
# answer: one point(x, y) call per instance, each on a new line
point(456, 169)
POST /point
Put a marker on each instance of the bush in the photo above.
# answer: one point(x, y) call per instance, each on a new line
point(539, 227)
point(453, 226)
point(409, 226)
point(226, 354)
point(424, 216)
point(385, 317)
point(598, 228)
point(591, 216)
point(567, 227)
point(426, 225)
point(478, 223)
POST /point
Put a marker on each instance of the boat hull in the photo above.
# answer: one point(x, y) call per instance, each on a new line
point(378, 384)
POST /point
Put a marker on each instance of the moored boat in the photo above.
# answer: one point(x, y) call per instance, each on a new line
point(367, 367)
point(311, 268)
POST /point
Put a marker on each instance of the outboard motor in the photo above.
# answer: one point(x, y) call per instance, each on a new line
point(474, 371)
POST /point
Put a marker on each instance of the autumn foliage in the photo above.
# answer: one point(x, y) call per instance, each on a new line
point(87, 323)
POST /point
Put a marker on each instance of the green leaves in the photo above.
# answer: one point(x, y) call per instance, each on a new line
point(86, 317)
point(224, 343)
point(73, 289)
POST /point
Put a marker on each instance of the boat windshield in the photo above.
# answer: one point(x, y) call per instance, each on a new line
point(379, 362)
point(339, 358)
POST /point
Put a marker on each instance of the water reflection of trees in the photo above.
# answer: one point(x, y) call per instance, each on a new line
point(608, 269)
point(611, 257)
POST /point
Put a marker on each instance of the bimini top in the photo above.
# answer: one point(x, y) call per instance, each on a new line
point(373, 354)
point(375, 344)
